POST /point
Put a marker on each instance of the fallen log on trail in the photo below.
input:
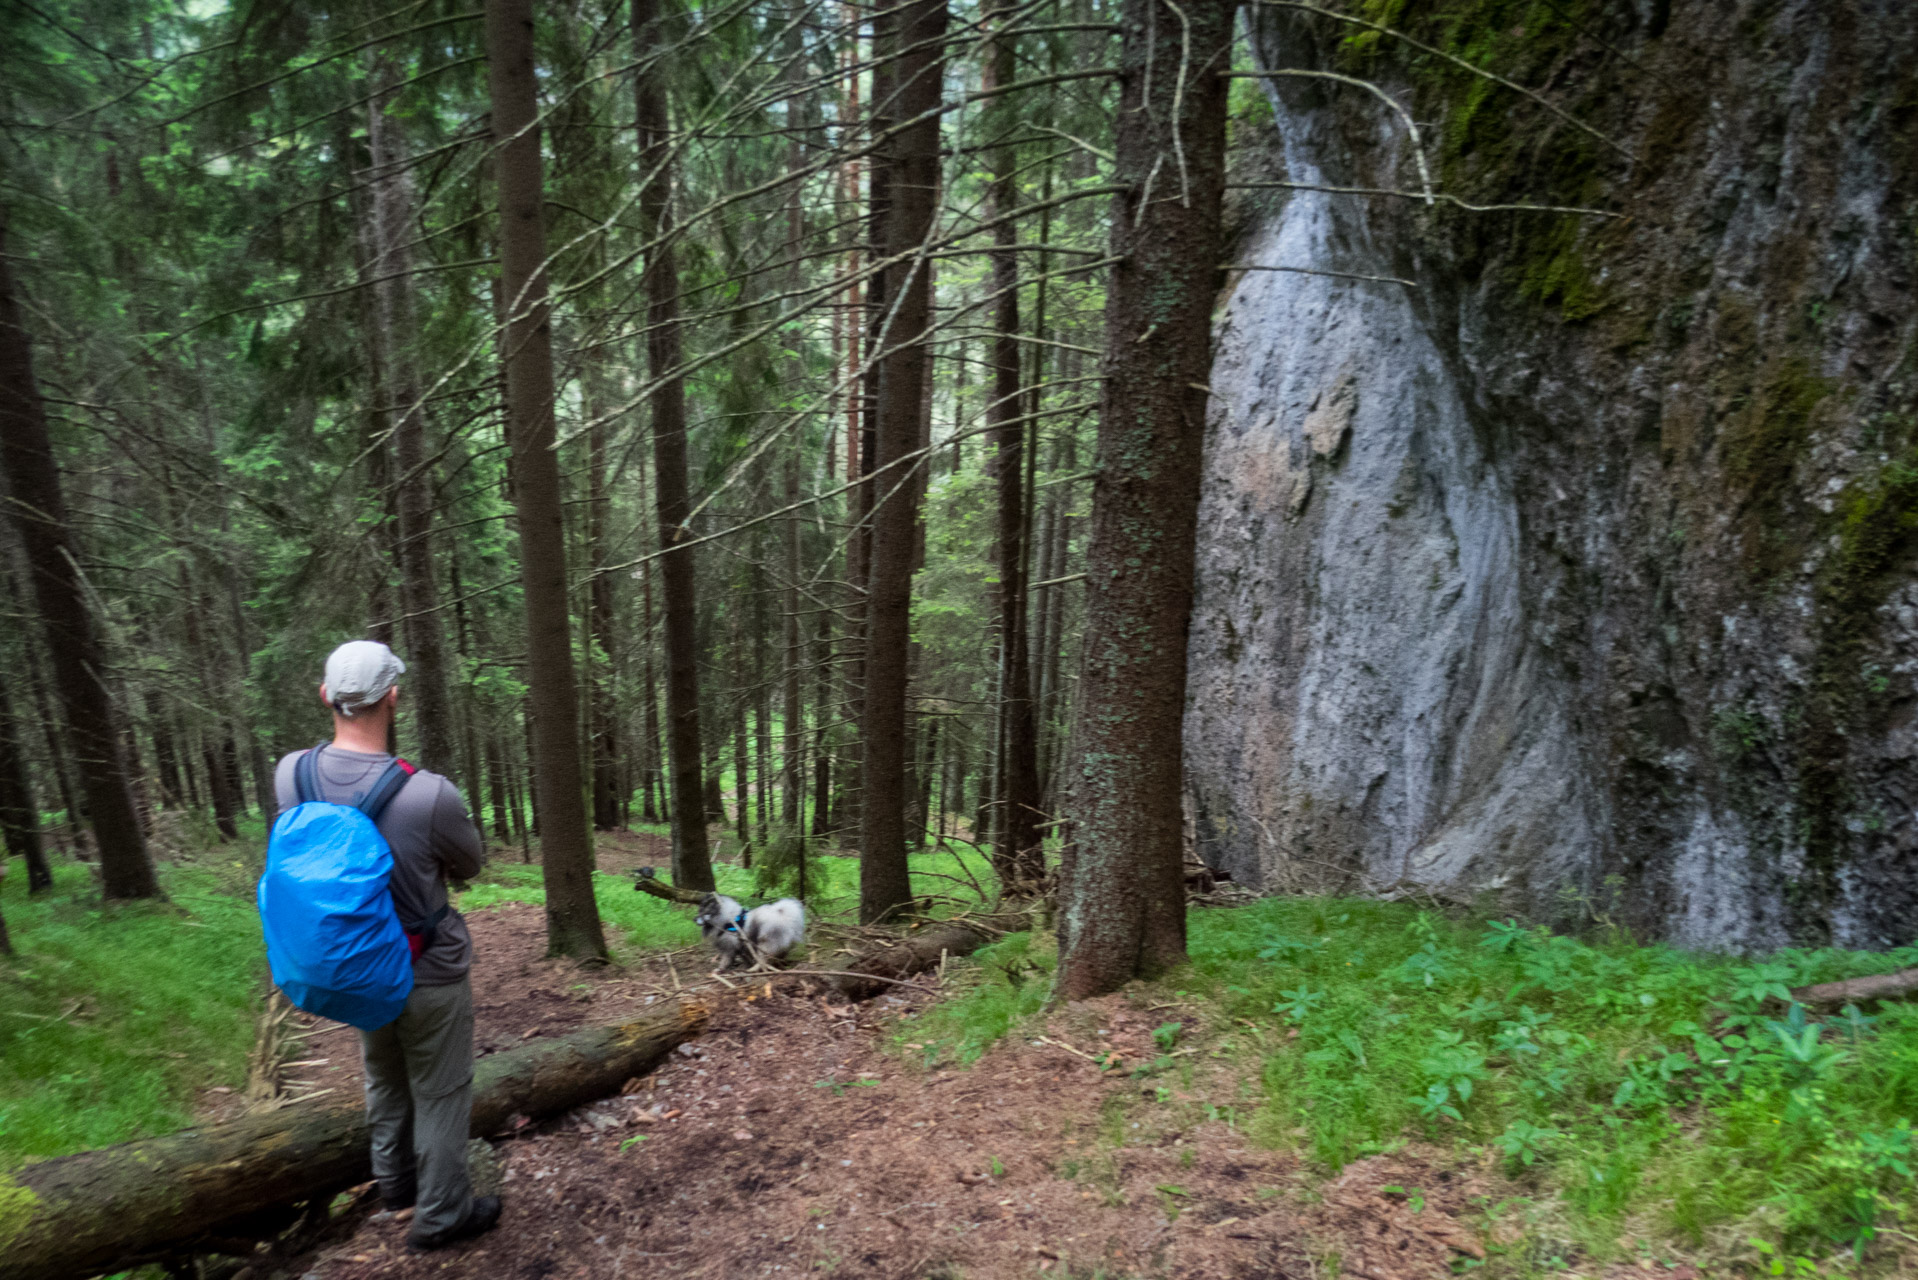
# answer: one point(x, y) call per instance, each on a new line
point(867, 975)
point(142, 1201)
point(1879, 986)
point(648, 881)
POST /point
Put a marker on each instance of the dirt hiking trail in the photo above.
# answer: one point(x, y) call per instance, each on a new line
point(788, 1141)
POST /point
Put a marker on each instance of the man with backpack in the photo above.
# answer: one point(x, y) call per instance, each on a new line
point(328, 902)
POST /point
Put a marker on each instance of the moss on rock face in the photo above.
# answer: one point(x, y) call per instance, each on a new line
point(1764, 442)
point(1556, 274)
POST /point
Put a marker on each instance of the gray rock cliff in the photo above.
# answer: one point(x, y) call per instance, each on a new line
point(1581, 573)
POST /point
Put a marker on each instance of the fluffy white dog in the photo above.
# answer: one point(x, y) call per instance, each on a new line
point(757, 937)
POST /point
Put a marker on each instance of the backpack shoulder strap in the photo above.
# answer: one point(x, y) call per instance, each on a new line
point(306, 776)
point(386, 788)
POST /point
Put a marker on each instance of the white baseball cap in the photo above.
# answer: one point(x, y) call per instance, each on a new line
point(359, 673)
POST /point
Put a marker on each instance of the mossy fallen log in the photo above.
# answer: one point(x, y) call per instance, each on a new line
point(1878, 986)
point(648, 881)
point(140, 1201)
point(867, 975)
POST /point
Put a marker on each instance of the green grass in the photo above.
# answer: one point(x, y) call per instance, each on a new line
point(1626, 1087)
point(1015, 978)
point(111, 1017)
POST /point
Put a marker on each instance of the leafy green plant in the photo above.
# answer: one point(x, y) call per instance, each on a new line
point(1524, 1143)
point(1298, 1003)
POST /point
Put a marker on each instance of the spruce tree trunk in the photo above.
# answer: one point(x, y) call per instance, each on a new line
point(651, 785)
point(793, 749)
point(1122, 903)
point(885, 884)
point(606, 788)
point(38, 510)
point(429, 701)
point(1016, 851)
point(742, 790)
point(822, 712)
point(762, 711)
point(692, 860)
point(496, 770)
point(792, 801)
point(377, 439)
point(19, 813)
point(165, 752)
point(566, 850)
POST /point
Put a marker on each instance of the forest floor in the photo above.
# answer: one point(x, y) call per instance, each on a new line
point(1332, 1087)
point(793, 1139)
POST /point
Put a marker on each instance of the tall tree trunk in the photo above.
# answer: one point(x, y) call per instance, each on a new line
point(377, 430)
point(928, 765)
point(793, 747)
point(762, 709)
point(651, 784)
point(862, 439)
point(792, 801)
point(822, 714)
point(1122, 903)
point(474, 780)
point(742, 790)
point(430, 702)
point(885, 882)
point(165, 753)
point(692, 860)
point(496, 769)
point(606, 788)
point(1016, 851)
point(39, 511)
point(1052, 701)
point(219, 785)
point(566, 849)
point(19, 813)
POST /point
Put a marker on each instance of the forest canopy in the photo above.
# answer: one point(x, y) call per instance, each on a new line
point(688, 393)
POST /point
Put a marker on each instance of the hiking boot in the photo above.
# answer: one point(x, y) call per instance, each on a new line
point(482, 1217)
point(403, 1196)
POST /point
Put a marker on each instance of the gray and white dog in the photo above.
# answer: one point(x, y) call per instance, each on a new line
point(757, 937)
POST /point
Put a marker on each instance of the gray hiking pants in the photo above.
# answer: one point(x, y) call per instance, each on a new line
point(419, 1100)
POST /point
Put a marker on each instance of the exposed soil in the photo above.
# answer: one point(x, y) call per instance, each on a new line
point(791, 1140)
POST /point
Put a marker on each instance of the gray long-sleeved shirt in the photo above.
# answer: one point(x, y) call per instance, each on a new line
point(432, 837)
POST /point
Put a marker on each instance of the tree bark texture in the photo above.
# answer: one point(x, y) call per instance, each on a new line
point(566, 851)
point(1122, 903)
point(885, 884)
point(1017, 853)
point(430, 702)
point(38, 510)
point(120, 1206)
point(692, 859)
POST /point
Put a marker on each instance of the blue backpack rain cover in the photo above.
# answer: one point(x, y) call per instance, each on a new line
point(333, 938)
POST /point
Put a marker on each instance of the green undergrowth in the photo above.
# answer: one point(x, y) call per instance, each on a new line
point(112, 1017)
point(1014, 979)
point(1626, 1089)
